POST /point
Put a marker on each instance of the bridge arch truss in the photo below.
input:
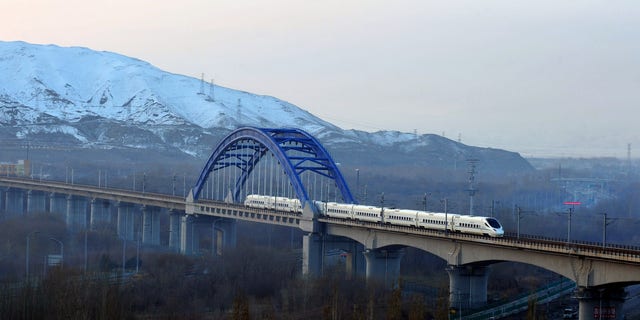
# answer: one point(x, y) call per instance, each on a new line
point(278, 162)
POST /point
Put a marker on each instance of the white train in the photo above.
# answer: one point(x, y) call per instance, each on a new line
point(274, 203)
point(487, 226)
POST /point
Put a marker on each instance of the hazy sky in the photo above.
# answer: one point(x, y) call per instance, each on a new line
point(539, 77)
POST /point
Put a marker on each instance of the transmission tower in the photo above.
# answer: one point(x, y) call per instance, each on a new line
point(239, 112)
point(212, 91)
point(201, 84)
point(472, 179)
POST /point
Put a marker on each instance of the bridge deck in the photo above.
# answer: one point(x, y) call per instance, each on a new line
point(611, 253)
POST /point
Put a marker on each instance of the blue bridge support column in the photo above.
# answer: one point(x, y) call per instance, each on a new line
point(600, 303)
point(57, 204)
point(36, 202)
point(174, 229)
point(76, 213)
point(100, 213)
point(14, 202)
point(150, 225)
point(383, 265)
point(467, 286)
point(126, 220)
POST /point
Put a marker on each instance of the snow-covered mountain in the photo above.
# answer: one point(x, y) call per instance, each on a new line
point(43, 83)
point(88, 98)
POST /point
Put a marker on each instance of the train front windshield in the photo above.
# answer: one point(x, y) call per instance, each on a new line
point(494, 223)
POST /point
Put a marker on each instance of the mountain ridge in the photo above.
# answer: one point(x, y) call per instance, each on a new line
point(94, 98)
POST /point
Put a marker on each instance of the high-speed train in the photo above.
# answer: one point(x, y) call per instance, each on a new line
point(487, 226)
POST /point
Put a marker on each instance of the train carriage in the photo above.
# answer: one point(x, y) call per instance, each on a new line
point(401, 217)
point(367, 213)
point(487, 226)
point(336, 210)
point(273, 203)
point(433, 220)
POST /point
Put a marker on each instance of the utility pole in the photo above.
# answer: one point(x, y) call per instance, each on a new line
point(520, 212)
point(569, 226)
point(493, 207)
point(518, 224)
point(605, 222)
point(572, 204)
point(357, 185)
point(382, 208)
point(174, 185)
point(446, 218)
point(472, 178)
point(424, 201)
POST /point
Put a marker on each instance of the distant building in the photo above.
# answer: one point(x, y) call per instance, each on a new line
point(22, 169)
point(589, 191)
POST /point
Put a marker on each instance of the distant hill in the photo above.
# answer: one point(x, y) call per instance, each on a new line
point(79, 98)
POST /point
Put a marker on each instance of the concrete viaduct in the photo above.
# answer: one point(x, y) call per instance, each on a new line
point(375, 250)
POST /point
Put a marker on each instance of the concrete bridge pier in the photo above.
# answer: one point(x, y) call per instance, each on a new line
point(467, 286)
point(76, 213)
point(600, 303)
point(188, 243)
point(36, 202)
point(174, 229)
point(315, 249)
point(14, 202)
point(150, 225)
point(383, 265)
point(355, 262)
point(346, 253)
point(100, 213)
point(223, 233)
point(125, 220)
point(2, 199)
point(312, 254)
point(358, 263)
point(57, 203)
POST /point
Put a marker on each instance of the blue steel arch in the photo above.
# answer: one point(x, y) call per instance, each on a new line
point(309, 155)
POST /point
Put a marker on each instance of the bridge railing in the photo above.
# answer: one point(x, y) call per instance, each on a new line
point(533, 242)
point(618, 252)
point(578, 246)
